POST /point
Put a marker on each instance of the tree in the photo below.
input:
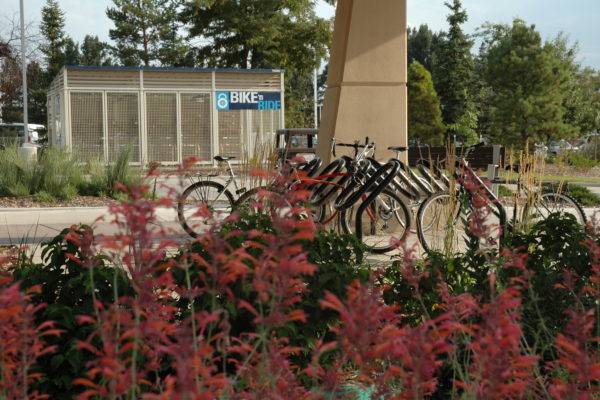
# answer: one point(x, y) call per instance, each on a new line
point(453, 72)
point(94, 51)
point(424, 113)
point(277, 34)
point(71, 54)
point(582, 101)
point(52, 29)
point(146, 32)
point(257, 33)
point(528, 82)
point(423, 45)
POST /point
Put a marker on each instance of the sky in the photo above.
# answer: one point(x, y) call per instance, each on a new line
point(579, 19)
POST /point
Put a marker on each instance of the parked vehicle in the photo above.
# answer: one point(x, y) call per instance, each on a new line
point(561, 146)
point(14, 132)
point(591, 144)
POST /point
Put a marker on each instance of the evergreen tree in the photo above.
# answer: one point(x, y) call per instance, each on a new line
point(52, 28)
point(423, 45)
point(424, 113)
point(71, 54)
point(529, 84)
point(94, 51)
point(145, 32)
point(278, 34)
point(257, 33)
point(453, 72)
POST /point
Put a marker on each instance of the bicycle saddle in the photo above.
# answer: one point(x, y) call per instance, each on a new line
point(223, 158)
point(396, 148)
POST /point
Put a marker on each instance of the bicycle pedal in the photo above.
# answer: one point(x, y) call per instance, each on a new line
point(240, 191)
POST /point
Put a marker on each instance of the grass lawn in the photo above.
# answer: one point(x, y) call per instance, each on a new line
point(555, 178)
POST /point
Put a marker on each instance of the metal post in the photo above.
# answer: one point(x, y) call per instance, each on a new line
point(315, 98)
point(315, 105)
point(24, 74)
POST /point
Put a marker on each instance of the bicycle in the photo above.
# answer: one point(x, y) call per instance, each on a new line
point(442, 219)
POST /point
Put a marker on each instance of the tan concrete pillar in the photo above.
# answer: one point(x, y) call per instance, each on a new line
point(366, 85)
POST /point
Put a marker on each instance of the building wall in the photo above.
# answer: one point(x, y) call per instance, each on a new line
point(162, 115)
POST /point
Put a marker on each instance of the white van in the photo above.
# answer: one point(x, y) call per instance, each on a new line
point(10, 133)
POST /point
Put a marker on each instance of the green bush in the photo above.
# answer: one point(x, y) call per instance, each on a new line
point(68, 289)
point(583, 195)
point(44, 197)
point(503, 191)
point(339, 261)
point(581, 160)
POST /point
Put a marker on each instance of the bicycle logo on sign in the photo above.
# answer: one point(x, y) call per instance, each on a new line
point(222, 100)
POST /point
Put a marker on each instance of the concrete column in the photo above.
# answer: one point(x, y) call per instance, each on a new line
point(366, 86)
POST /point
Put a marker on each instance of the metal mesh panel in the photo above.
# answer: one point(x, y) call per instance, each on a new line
point(230, 133)
point(161, 115)
point(123, 125)
point(86, 124)
point(264, 126)
point(195, 126)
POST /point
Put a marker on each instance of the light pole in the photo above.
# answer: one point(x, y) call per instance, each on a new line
point(24, 73)
point(315, 94)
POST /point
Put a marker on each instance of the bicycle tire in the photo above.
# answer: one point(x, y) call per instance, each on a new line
point(218, 200)
point(561, 203)
point(388, 218)
point(441, 224)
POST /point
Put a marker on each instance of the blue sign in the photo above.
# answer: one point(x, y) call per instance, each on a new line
point(248, 101)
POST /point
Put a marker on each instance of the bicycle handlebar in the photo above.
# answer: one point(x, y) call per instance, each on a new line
point(354, 145)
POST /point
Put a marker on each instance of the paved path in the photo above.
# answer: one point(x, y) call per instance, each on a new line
point(36, 225)
point(33, 226)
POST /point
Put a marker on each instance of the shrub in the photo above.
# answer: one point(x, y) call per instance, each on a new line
point(70, 278)
point(265, 305)
point(583, 195)
point(581, 160)
point(44, 197)
point(503, 191)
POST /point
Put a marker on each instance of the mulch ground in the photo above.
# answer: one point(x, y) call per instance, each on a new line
point(31, 202)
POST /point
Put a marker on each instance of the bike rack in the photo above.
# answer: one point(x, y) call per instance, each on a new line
point(393, 166)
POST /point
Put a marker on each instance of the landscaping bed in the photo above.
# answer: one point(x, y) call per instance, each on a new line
point(32, 202)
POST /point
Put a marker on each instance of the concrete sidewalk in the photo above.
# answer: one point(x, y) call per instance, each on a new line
point(36, 225)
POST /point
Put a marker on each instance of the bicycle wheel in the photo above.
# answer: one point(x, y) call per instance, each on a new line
point(560, 203)
point(217, 199)
point(386, 218)
point(441, 224)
